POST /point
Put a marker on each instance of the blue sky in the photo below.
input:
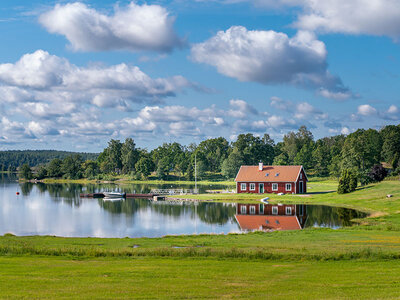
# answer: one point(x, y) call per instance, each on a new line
point(75, 74)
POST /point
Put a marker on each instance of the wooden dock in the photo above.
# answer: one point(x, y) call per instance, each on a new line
point(101, 195)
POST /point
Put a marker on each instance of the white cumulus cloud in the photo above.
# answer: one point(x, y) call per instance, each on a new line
point(40, 76)
point(373, 17)
point(134, 27)
point(366, 110)
point(269, 57)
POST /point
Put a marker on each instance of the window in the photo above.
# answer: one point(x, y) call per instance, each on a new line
point(288, 210)
point(266, 175)
point(261, 209)
point(288, 186)
point(252, 186)
point(274, 186)
point(274, 210)
point(243, 209)
point(301, 175)
point(243, 186)
point(277, 174)
point(252, 209)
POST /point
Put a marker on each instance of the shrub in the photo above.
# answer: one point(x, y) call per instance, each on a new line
point(347, 182)
point(377, 173)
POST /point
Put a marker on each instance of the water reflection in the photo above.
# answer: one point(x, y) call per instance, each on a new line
point(268, 217)
point(57, 209)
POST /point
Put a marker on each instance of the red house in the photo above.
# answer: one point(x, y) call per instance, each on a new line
point(270, 217)
point(271, 179)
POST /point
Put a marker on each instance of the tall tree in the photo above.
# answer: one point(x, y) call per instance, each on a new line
point(253, 149)
point(361, 150)
point(129, 156)
point(293, 142)
point(213, 152)
point(25, 172)
point(72, 167)
point(54, 168)
point(391, 144)
point(231, 165)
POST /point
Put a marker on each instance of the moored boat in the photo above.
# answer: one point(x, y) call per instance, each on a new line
point(114, 195)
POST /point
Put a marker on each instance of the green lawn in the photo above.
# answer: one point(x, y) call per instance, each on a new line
point(55, 277)
point(354, 262)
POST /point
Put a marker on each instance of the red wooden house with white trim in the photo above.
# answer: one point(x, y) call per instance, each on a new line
point(271, 179)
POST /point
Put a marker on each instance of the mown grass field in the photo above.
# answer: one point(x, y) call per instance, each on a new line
point(354, 262)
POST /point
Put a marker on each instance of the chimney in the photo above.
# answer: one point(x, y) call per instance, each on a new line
point(260, 166)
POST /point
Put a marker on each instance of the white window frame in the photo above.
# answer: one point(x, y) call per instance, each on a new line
point(275, 184)
point(301, 175)
point(252, 209)
point(243, 185)
point(274, 210)
point(286, 186)
point(243, 210)
point(288, 210)
point(252, 186)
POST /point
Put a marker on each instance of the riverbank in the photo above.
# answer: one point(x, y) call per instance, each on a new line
point(363, 260)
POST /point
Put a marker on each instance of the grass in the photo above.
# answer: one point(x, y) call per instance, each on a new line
point(353, 262)
point(42, 277)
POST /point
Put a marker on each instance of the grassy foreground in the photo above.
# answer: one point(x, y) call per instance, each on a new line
point(29, 277)
point(357, 262)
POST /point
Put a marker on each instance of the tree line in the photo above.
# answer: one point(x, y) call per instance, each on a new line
point(10, 160)
point(359, 152)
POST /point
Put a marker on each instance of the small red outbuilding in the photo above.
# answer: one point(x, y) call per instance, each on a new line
point(271, 179)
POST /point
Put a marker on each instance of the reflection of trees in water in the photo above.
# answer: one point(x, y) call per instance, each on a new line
point(26, 188)
point(6, 178)
point(327, 216)
point(215, 213)
point(211, 213)
point(127, 206)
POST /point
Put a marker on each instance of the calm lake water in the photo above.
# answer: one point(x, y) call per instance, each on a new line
point(57, 209)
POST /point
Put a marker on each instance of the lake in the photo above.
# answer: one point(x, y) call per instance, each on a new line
point(57, 209)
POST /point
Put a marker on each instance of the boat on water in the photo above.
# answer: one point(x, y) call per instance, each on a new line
point(114, 195)
point(265, 200)
point(113, 199)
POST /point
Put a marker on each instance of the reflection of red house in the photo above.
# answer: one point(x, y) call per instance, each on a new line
point(261, 216)
point(271, 179)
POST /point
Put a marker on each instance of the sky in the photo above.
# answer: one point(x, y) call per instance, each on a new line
point(73, 75)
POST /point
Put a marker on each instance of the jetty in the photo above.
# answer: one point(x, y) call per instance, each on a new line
point(101, 195)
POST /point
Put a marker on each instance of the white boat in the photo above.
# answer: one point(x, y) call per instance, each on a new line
point(114, 195)
point(265, 200)
point(113, 199)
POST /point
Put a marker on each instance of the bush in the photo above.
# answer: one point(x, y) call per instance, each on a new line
point(377, 173)
point(347, 182)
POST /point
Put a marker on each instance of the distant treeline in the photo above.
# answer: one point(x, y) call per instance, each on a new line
point(359, 151)
point(11, 159)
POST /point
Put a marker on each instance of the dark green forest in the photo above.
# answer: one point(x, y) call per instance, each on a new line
point(361, 152)
point(11, 159)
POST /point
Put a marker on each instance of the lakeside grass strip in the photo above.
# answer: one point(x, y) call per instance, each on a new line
point(365, 253)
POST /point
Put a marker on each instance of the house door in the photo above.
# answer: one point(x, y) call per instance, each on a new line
point(261, 188)
point(301, 187)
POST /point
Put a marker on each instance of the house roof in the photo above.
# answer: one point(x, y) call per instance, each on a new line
point(251, 173)
point(262, 222)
